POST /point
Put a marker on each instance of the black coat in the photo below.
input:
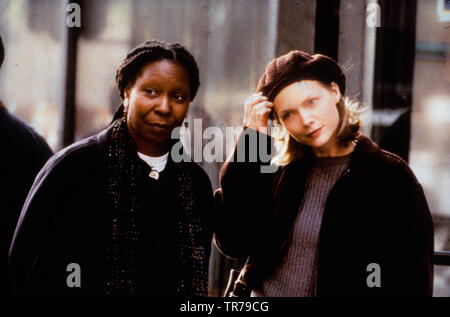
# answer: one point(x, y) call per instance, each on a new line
point(23, 153)
point(66, 219)
point(375, 213)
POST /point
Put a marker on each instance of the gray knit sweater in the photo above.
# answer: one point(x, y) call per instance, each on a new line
point(295, 275)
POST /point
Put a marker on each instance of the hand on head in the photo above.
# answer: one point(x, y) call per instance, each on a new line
point(257, 110)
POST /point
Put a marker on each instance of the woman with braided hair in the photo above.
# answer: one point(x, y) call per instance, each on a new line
point(114, 214)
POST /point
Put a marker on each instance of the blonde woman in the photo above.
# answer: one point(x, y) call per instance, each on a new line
point(340, 216)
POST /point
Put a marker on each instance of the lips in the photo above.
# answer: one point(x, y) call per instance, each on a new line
point(160, 127)
point(314, 133)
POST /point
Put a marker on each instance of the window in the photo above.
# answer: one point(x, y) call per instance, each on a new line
point(430, 122)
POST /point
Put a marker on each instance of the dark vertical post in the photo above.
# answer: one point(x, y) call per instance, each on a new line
point(296, 26)
point(327, 28)
point(70, 39)
point(394, 66)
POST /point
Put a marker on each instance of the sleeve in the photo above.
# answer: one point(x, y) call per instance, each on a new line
point(420, 266)
point(245, 201)
point(413, 239)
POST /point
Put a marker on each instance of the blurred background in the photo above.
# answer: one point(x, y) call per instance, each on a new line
point(61, 80)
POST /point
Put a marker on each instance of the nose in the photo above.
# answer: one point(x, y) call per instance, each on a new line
point(306, 117)
point(163, 106)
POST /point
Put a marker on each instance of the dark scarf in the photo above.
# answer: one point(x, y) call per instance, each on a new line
point(125, 170)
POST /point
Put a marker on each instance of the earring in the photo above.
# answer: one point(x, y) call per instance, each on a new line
point(125, 104)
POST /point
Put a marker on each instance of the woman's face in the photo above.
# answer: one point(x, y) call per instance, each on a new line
point(158, 102)
point(307, 109)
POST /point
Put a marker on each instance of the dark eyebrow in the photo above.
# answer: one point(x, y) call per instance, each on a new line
point(180, 88)
point(285, 111)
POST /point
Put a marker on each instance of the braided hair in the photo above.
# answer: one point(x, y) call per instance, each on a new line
point(151, 51)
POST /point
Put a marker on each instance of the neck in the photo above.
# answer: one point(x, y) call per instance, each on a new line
point(149, 148)
point(154, 150)
point(153, 155)
point(335, 150)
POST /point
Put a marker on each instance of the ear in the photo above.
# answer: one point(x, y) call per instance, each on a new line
point(126, 99)
point(126, 103)
point(336, 92)
point(126, 93)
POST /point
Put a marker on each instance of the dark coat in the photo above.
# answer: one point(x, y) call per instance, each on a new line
point(23, 153)
point(375, 213)
point(67, 216)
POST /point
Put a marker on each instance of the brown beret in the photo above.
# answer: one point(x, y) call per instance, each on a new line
point(295, 66)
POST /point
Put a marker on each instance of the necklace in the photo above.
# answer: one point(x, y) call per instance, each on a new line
point(154, 174)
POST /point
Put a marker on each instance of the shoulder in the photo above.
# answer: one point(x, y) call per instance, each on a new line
point(16, 132)
point(384, 164)
point(77, 159)
point(395, 162)
point(197, 173)
point(78, 151)
point(398, 173)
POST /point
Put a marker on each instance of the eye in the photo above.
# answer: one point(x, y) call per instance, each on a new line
point(181, 98)
point(285, 115)
point(151, 92)
point(312, 101)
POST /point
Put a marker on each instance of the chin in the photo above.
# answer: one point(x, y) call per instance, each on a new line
point(319, 143)
point(159, 139)
point(152, 137)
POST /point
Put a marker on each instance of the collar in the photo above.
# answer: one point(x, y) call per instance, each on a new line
point(104, 137)
point(365, 157)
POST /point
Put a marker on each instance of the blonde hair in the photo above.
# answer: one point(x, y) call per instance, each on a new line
point(289, 149)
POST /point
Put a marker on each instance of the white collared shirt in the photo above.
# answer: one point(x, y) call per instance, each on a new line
point(157, 163)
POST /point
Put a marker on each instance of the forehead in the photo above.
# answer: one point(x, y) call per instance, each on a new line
point(164, 70)
point(297, 92)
